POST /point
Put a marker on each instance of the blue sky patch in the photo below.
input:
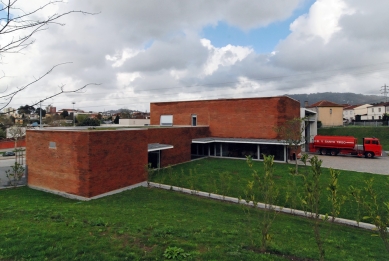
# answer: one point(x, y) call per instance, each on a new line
point(262, 40)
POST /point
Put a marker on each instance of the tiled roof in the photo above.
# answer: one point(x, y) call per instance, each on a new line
point(385, 104)
point(324, 104)
point(350, 107)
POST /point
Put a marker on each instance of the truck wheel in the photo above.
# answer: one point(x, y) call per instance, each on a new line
point(369, 155)
point(333, 153)
point(323, 152)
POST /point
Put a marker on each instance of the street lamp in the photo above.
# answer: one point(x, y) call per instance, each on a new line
point(74, 122)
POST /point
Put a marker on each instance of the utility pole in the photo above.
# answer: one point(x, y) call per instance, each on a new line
point(384, 91)
point(74, 122)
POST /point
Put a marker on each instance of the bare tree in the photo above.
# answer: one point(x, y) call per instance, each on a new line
point(19, 26)
point(22, 26)
point(292, 133)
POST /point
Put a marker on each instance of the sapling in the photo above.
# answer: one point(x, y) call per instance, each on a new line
point(375, 207)
point(264, 186)
point(334, 197)
point(311, 200)
point(15, 174)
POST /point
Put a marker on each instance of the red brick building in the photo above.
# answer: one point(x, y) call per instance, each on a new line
point(89, 163)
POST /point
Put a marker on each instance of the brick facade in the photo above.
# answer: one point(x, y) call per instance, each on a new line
point(90, 163)
point(231, 118)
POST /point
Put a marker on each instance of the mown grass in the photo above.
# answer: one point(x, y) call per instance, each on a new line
point(140, 224)
point(360, 132)
point(230, 177)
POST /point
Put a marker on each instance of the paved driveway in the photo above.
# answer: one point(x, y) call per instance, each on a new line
point(377, 165)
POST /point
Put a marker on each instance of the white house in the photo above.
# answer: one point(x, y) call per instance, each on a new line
point(375, 112)
point(348, 113)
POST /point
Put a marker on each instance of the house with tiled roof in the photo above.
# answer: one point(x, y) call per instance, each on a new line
point(355, 112)
point(375, 112)
point(328, 113)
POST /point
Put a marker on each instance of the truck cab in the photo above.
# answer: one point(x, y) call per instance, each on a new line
point(372, 147)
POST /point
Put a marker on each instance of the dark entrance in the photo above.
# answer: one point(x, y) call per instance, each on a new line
point(154, 159)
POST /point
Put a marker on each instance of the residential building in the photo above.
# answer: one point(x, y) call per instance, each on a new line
point(94, 162)
point(329, 113)
point(11, 112)
point(375, 112)
point(348, 113)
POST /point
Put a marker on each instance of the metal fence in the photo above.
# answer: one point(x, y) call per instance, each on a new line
point(369, 123)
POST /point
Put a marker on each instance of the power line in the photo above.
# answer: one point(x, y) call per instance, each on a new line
point(384, 91)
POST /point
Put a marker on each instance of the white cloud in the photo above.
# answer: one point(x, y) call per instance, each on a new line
point(225, 56)
point(154, 51)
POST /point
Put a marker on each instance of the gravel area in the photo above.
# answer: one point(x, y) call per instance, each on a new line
point(376, 165)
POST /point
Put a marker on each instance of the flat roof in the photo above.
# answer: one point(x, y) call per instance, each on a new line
point(239, 140)
point(158, 146)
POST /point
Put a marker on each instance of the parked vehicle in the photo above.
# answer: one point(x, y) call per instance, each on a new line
point(334, 145)
point(8, 153)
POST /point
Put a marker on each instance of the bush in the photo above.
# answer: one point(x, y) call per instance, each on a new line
point(89, 122)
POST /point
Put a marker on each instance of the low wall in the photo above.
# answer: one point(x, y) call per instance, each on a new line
point(11, 144)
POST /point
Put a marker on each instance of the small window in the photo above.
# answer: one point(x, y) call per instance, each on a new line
point(194, 120)
point(379, 109)
point(330, 111)
point(367, 141)
point(166, 120)
point(52, 145)
point(372, 117)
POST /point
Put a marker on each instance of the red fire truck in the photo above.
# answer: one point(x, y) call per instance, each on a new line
point(334, 145)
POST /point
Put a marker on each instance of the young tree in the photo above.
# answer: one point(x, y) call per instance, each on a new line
point(292, 133)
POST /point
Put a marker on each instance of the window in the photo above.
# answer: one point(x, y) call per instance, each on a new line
point(330, 111)
point(372, 109)
point(379, 109)
point(194, 120)
point(372, 117)
point(166, 120)
point(52, 145)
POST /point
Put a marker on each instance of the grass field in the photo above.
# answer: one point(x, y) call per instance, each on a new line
point(360, 132)
point(141, 224)
point(230, 177)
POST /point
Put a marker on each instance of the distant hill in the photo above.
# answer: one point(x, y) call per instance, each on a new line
point(340, 98)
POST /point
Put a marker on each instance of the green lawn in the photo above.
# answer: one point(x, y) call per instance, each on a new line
point(360, 132)
point(230, 177)
point(140, 224)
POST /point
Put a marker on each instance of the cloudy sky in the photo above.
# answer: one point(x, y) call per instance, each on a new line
point(148, 51)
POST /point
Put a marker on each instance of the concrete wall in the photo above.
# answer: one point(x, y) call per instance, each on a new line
point(238, 118)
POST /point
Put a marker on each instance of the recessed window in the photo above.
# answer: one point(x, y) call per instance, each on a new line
point(194, 120)
point(52, 145)
point(372, 109)
point(330, 111)
point(166, 120)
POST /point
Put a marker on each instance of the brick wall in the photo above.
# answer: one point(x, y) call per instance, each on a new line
point(90, 163)
point(180, 138)
point(237, 118)
point(86, 163)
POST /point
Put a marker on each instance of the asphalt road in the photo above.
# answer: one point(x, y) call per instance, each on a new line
point(376, 165)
